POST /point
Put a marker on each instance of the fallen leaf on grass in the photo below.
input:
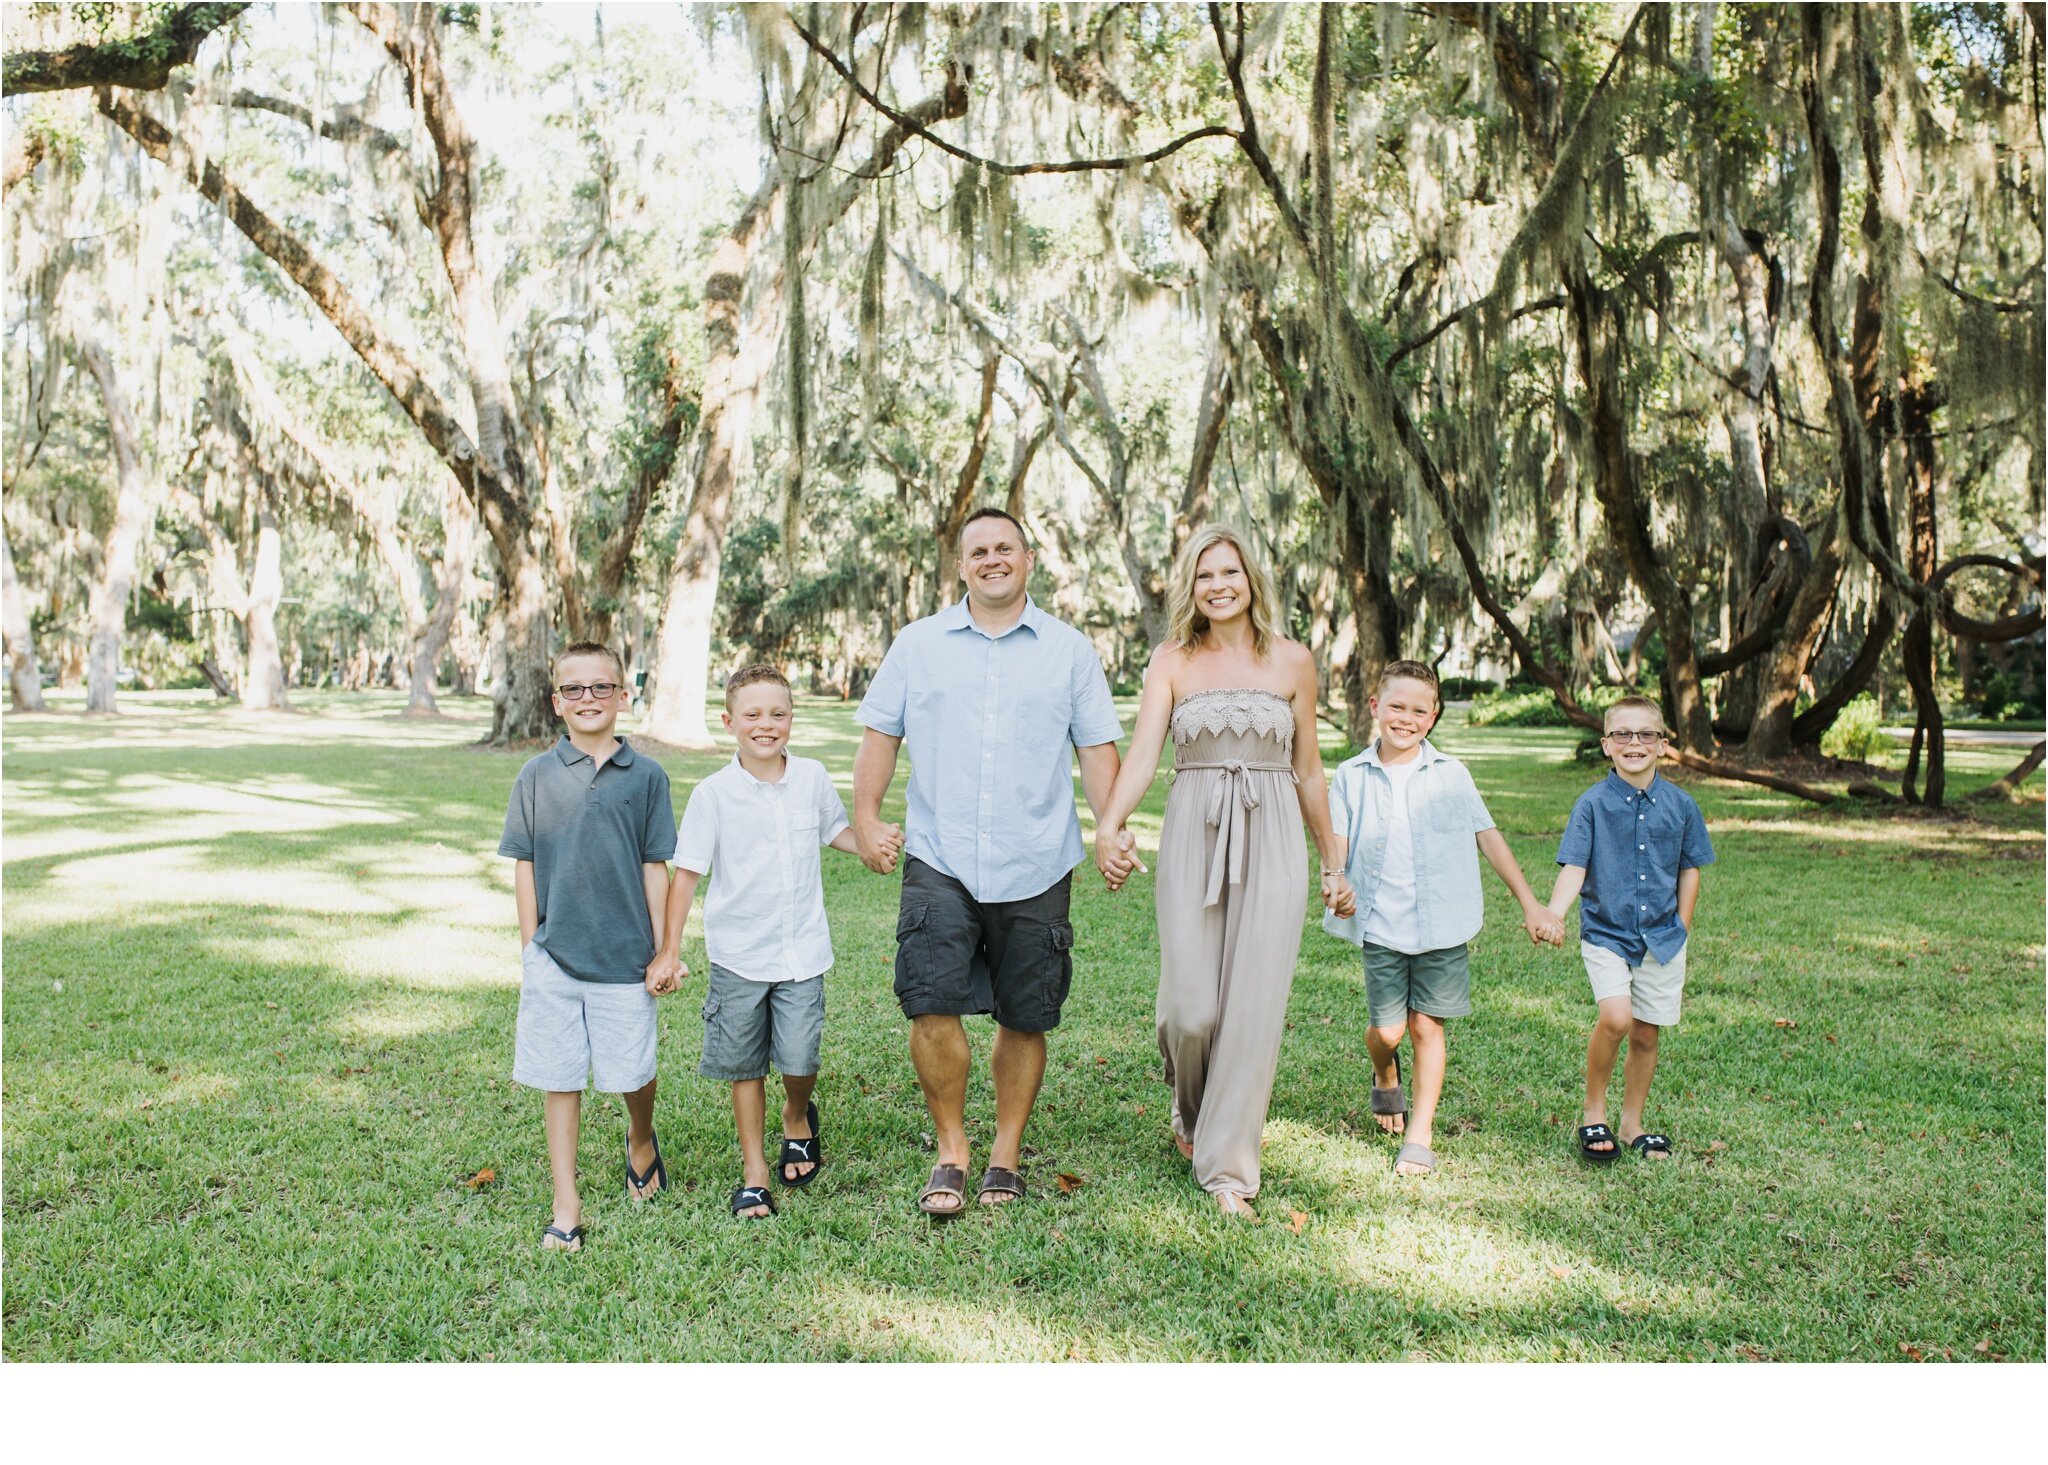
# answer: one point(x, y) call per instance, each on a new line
point(1139, 1110)
point(1068, 1184)
point(1101, 1060)
point(1296, 1220)
point(1784, 1022)
point(1749, 1352)
point(1911, 1352)
point(1829, 1036)
point(271, 1005)
point(483, 1177)
point(1984, 1345)
point(1717, 1145)
point(1328, 1020)
point(1560, 1272)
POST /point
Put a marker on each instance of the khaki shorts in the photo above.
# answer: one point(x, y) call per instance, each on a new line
point(1653, 989)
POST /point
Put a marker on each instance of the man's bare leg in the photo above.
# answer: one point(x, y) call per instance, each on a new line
point(640, 1135)
point(1019, 1067)
point(938, 1050)
point(1636, 1071)
point(563, 1117)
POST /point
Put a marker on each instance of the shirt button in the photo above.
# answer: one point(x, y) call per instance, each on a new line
point(1642, 846)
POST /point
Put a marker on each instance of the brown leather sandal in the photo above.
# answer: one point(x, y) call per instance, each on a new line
point(946, 1180)
point(997, 1181)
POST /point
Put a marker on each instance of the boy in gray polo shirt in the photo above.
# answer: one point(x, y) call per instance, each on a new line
point(592, 828)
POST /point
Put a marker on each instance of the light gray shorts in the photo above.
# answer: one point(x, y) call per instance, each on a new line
point(575, 1034)
point(747, 1025)
point(1653, 989)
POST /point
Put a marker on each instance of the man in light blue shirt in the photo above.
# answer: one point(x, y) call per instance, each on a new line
point(995, 699)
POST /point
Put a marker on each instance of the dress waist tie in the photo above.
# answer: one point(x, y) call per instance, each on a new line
point(1229, 855)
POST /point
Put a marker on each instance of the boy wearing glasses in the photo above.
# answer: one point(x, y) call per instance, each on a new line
point(1632, 855)
point(592, 828)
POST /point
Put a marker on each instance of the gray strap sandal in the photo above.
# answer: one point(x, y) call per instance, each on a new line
point(1414, 1154)
point(1393, 1100)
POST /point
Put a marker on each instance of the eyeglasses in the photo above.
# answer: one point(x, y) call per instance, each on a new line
point(575, 690)
point(1629, 735)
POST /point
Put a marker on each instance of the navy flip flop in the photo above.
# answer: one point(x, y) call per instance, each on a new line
point(636, 1183)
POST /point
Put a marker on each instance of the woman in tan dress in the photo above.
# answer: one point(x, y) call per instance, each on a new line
point(1239, 701)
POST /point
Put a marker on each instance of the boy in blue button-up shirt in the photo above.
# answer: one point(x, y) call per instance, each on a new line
point(1632, 853)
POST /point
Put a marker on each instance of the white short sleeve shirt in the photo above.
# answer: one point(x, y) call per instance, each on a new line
point(764, 910)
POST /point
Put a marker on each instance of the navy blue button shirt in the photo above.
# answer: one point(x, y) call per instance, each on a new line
point(1632, 845)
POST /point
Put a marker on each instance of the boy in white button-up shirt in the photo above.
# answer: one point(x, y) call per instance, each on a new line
point(756, 826)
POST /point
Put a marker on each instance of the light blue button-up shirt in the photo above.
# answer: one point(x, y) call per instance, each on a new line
point(1445, 812)
point(991, 723)
point(1633, 844)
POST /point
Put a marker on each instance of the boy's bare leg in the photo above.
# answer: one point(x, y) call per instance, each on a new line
point(796, 1119)
point(1018, 1065)
point(1427, 1034)
point(938, 1050)
point(563, 1116)
point(1608, 1030)
point(1636, 1072)
point(640, 1133)
point(1382, 1044)
point(749, 1106)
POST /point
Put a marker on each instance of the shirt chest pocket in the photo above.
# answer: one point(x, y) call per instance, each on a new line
point(803, 827)
point(1437, 809)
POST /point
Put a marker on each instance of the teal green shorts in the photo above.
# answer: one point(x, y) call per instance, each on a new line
point(1437, 983)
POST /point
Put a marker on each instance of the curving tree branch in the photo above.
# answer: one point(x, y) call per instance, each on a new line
point(141, 62)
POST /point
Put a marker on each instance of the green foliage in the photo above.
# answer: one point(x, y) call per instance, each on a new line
point(1858, 731)
point(2009, 696)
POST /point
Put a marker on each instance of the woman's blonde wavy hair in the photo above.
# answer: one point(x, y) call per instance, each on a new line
point(1185, 623)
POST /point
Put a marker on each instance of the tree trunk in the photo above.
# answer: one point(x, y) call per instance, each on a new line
point(458, 528)
point(1770, 730)
point(1597, 330)
point(734, 375)
point(24, 677)
point(263, 687)
point(1922, 558)
point(1212, 415)
point(487, 468)
point(134, 513)
point(735, 371)
point(954, 519)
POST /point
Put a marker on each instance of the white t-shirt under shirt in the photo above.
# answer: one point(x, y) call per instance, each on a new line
point(764, 912)
point(1392, 921)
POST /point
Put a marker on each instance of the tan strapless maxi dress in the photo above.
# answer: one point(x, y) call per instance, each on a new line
point(1231, 890)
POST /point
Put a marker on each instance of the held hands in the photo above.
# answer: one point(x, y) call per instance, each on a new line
point(1338, 897)
point(665, 974)
point(1116, 855)
point(1543, 924)
point(880, 845)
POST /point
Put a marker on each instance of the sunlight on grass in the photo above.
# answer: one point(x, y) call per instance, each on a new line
point(185, 875)
point(394, 1017)
point(874, 1319)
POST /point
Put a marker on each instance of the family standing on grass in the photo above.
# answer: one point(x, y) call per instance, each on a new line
point(996, 701)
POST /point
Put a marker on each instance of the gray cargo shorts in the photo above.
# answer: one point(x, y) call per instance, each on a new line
point(748, 1025)
point(956, 955)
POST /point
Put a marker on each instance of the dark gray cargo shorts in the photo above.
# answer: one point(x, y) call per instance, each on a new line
point(1013, 959)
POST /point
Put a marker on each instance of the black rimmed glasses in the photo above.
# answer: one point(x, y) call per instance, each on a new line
point(1630, 735)
point(575, 690)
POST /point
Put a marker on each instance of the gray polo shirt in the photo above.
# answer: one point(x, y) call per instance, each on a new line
point(588, 830)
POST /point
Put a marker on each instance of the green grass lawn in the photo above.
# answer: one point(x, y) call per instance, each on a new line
point(261, 974)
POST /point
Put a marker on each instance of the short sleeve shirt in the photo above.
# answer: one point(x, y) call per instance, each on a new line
point(1632, 844)
point(991, 724)
point(764, 912)
point(1445, 813)
point(588, 829)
